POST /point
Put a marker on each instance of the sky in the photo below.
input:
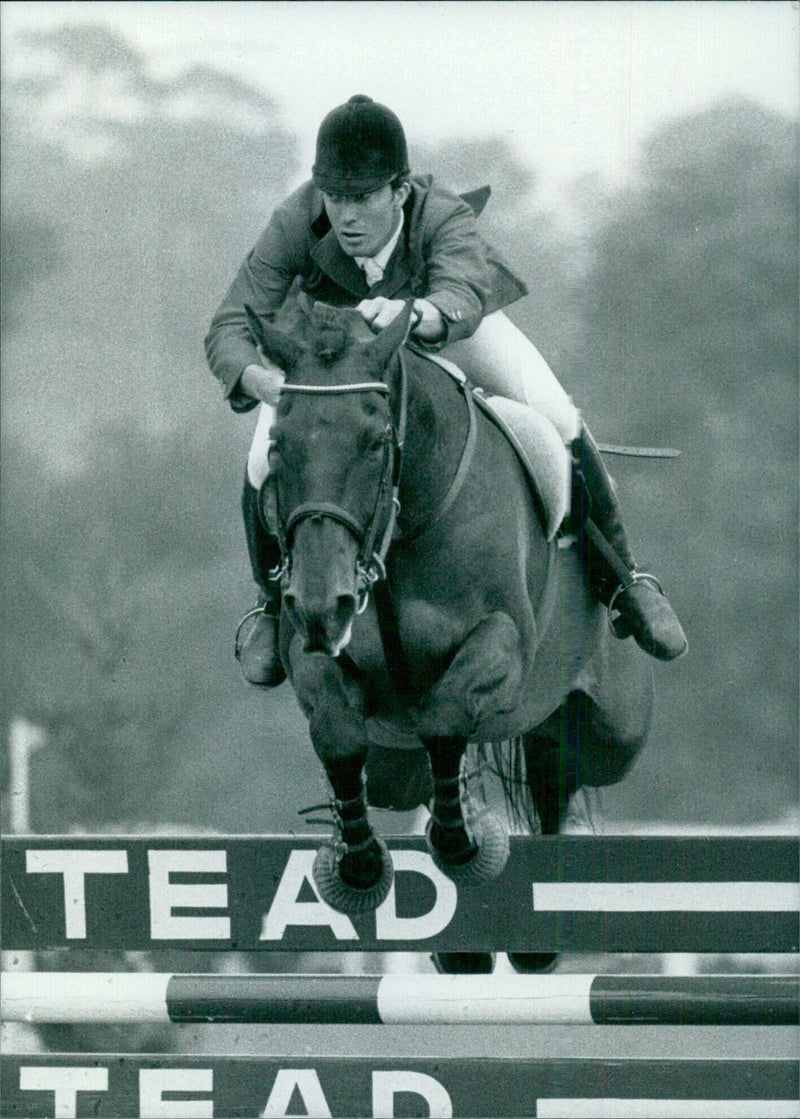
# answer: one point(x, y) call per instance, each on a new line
point(573, 86)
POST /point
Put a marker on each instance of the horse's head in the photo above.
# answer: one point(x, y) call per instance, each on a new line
point(332, 462)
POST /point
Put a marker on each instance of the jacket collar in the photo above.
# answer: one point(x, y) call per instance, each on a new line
point(338, 265)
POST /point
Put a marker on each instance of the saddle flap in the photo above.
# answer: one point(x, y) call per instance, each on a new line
point(541, 451)
point(538, 445)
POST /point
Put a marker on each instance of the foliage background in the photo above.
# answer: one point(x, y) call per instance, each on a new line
point(668, 309)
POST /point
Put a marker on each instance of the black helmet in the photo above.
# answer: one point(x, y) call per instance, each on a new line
point(361, 147)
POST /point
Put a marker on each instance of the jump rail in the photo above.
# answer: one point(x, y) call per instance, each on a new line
point(614, 894)
point(563, 894)
point(564, 999)
point(115, 1084)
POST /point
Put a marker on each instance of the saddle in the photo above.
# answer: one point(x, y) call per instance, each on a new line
point(546, 461)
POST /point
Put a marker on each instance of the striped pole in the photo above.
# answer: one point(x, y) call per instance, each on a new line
point(567, 999)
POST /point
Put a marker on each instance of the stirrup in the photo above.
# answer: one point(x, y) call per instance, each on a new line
point(261, 607)
point(619, 630)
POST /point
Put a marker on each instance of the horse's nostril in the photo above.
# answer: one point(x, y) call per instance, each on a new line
point(344, 610)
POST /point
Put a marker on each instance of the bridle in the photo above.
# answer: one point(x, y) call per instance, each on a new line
point(371, 559)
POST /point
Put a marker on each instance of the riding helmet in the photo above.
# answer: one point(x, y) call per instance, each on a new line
point(361, 147)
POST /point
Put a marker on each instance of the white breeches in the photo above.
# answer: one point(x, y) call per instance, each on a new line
point(499, 358)
point(258, 458)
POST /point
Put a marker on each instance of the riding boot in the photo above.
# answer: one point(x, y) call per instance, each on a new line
point(258, 654)
point(636, 602)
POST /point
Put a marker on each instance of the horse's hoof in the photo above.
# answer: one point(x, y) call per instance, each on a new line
point(340, 895)
point(464, 963)
point(533, 963)
point(491, 839)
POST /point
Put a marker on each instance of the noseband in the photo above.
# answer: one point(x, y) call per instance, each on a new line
point(370, 562)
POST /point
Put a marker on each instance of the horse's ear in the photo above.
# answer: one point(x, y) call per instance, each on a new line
point(277, 346)
point(391, 338)
point(305, 304)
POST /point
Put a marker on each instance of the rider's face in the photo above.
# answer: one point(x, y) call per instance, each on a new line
point(363, 223)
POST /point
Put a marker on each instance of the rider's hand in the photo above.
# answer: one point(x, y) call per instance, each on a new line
point(263, 382)
point(430, 323)
point(379, 312)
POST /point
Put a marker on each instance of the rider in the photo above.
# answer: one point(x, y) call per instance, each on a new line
point(366, 233)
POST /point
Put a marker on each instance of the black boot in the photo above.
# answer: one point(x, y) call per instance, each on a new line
point(637, 604)
point(258, 653)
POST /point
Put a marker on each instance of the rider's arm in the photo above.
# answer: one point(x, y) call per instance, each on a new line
point(456, 271)
point(262, 283)
point(449, 274)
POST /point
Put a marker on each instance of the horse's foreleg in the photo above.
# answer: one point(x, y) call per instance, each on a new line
point(448, 832)
point(353, 873)
point(483, 679)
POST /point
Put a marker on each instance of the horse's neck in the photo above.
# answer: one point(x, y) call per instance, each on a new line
point(435, 435)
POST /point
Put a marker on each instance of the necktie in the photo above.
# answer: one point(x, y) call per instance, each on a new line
point(372, 271)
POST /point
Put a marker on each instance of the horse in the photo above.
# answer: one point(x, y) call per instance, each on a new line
point(422, 597)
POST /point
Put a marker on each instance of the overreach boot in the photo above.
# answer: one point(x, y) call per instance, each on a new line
point(636, 602)
point(258, 653)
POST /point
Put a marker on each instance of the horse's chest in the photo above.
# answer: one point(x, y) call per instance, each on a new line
point(428, 634)
point(430, 629)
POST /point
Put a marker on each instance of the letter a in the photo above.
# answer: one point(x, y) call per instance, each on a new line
point(306, 1081)
point(287, 910)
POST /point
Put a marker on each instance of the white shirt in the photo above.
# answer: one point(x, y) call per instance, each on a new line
point(375, 266)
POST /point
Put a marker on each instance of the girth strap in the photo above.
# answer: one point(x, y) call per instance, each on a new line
point(405, 535)
point(388, 622)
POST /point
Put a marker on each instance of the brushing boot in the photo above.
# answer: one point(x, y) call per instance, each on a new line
point(636, 601)
point(258, 652)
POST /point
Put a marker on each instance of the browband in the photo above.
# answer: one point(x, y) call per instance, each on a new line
point(362, 386)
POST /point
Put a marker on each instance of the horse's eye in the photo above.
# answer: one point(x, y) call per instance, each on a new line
point(371, 444)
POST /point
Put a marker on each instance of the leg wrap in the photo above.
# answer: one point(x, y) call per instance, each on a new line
point(448, 828)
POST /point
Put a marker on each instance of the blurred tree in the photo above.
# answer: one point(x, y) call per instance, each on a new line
point(691, 339)
point(128, 202)
point(530, 238)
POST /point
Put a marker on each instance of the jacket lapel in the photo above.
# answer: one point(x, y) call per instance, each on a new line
point(397, 274)
point(339, 266)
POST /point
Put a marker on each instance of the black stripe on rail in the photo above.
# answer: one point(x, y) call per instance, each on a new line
point(273, 999)
point(712, 1000)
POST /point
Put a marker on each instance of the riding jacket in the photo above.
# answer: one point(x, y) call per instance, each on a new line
point(440, 255)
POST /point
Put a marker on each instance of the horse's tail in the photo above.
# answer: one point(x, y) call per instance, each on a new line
point(505, 762)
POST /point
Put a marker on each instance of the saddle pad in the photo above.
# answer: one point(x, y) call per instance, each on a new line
point(538, 445)
point(540, 450)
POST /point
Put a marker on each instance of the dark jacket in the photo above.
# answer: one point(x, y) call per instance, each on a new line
point(440, 255)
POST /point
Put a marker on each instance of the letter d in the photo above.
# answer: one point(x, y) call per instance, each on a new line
point(388, 926)
point(385, 1085)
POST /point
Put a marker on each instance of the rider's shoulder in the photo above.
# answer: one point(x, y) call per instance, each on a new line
point(433, 198)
